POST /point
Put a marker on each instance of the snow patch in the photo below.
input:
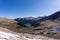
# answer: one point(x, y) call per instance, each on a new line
point(10, 36)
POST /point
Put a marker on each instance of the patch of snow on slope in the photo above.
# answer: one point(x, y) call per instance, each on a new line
point(10, 36)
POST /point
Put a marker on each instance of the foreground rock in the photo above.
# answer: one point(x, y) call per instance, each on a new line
point(21, 36)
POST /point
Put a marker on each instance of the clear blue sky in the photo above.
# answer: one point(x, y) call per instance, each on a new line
point(26, 8)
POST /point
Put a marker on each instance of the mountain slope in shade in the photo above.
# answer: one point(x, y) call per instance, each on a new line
point(55, 18)
point(27, 20)
point(55, 15)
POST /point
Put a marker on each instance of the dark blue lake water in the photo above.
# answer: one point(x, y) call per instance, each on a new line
point(58, 29)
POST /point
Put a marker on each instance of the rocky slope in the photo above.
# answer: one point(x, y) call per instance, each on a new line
point(55, 17)
point(7, 34)
point(45, 28)
point(21, 36)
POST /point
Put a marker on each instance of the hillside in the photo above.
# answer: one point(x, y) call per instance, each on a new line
point(9, 31)
point(10, 24)
point(47, 26)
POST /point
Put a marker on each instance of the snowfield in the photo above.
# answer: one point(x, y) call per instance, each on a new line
point(8, 36)
point(11, 36)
